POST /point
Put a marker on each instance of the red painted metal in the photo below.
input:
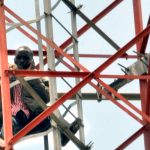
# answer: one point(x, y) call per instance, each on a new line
point(138, 20)
point(67, 65)
point(49, 110)
point(124, 49)
point(147, 105)
point(145, 41)
point(79, 74)
point(51, 43)
point(25, 33)
point(121, 52)
point(132, 138)
point(146, 117)
point(99, 69)
point(81, 31)
point(47, 73)
point(143, 84)
point(72, 74)
point(59, 50)
point(86, 74)
point(142, 34)
point(35, 41)
point(94, 20)
point(7, 121)
point(35, 53)
point(146, 109)
point(11, 52)
point(78, 86)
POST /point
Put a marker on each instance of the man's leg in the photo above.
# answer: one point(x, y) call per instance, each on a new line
point(74, 127)
point(15, 125)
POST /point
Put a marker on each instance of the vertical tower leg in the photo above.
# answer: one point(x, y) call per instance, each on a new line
point(5, 91)
point(51, 66)
point(143, 83)
point(77, 80)
point(40, 52)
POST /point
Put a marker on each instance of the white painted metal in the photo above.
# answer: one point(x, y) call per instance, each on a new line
point(38, 25)
point(51, 66)
point(77, 80)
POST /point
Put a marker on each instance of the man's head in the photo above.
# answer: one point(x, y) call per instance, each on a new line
point(23, 57)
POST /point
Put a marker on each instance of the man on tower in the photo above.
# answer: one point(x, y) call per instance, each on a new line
point(24, 108)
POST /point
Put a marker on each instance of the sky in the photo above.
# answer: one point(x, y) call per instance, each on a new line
point(106, 125)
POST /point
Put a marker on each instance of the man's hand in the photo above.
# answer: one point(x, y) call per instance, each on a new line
point(12, 67)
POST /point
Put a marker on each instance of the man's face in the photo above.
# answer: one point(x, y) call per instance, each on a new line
point(23, 60)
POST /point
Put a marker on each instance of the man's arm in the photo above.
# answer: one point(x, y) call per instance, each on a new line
point(40, 88)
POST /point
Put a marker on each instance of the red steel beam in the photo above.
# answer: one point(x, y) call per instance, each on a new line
point(102, 14)
point(124, 49)
point(44, 38)
point(11, 52)
point(145, 41)
point(38, 73)
point(87, 79)
point(132, 138)
point(147, 106)
point(143, 83)
point(144, 44)
point(115, 93)
point(51, 43)
point(61, 100)
point(138, 28)
point(49, 110)
point(5, 90)
point(67, 56)
point(146, 103)
point(90, 76)
point(83, 29)
point(55, 105)
point(35, 41)
point(59, 50)
point(105, 64)
point(138, 20)
point(25, 33)
point(110, 60)
point(146, 109)
point(69, 74)
point(121, 106)
point(94, 20)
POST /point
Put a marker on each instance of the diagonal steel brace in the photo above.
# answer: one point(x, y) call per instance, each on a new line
point(67, 132)
point(88, 21)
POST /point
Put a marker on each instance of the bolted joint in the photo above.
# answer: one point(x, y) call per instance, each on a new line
point(47, 14)
point(147, 126)
point(10, 145)
point(9, 72)
point(6, 72)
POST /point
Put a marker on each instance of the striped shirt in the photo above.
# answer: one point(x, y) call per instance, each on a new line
point(18, 104)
